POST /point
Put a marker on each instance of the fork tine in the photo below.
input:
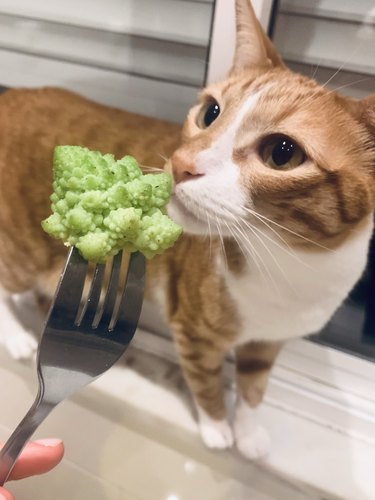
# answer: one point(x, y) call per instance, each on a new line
point(111, 294)
point(132, 298)
point(89, 310)
point(70, 288)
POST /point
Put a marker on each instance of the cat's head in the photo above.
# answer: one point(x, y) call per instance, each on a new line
point(269, 144)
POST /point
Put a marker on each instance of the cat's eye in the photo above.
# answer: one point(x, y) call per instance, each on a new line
point(208, 114)
point(281, 152)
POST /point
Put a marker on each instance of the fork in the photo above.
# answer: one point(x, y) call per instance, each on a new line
point(80, 343)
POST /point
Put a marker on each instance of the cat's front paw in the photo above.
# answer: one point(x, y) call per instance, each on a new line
point(20, 344)
point(215, 433)
point(254, 443)
point(252, 440)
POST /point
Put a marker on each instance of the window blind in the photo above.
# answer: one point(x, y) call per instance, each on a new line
point(147, 56)
point(321, 37)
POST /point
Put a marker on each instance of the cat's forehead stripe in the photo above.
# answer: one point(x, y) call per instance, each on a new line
point(246, 107)
point(222, 147)
point(217, 158)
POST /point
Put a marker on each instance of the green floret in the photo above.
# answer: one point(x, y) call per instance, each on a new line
point(102, 205)
point(124, 221)
point(161, 185)
point(156, 233)
point(79, 220)
point(139, 194)
point(55, 226)
point(94, 245)
point(127, 169)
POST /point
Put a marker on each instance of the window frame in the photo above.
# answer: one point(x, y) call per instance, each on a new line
point(222, 48)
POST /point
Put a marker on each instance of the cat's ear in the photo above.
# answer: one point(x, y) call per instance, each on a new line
point(368, 113)
point(253, 47)
point(363, 110)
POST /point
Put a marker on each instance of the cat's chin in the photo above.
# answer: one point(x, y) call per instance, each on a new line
point(181, 215)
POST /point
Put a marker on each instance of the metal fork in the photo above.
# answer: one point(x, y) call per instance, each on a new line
point(79, 344)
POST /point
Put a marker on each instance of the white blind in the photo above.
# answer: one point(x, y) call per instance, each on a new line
point(147, 56)
point(320, 37)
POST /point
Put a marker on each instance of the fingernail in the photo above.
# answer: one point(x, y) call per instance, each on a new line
point(48, 442)
point(6, 496)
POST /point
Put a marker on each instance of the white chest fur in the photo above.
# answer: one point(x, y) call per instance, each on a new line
point(299, 294)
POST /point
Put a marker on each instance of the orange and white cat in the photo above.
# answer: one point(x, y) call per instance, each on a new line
point(274, 186)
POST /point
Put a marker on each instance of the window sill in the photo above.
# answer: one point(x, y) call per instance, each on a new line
point(319, 409)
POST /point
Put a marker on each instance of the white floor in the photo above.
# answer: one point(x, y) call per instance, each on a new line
point(115, 450)
point(132, 436)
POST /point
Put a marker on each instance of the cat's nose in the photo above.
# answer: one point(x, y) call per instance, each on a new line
point(183, 167)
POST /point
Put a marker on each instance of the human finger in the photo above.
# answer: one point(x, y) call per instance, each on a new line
point(5, 494)
point(38, 457)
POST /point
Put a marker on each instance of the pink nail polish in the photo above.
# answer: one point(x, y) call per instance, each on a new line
point(48, 442)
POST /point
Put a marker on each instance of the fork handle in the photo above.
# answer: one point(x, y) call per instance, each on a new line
point(23, 432)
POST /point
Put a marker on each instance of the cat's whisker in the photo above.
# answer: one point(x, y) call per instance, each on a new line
point(318, 91)
point(209, 215)
point(252, 229)
point(209, 232)
point(246, 238)
point(247, 251)
point(244, 251)
point(338, 71)
point(351, 84)
point(291, 254)
point(252, 212)
point(312, 96)
point(273, 230)
point(269, 238)
point(288, 250)
point(222, 245)
point(353, 53)
point(151, 169)
point(334, 74)
point(204, 214)
point(351, 56)
point(316, 70)
point(251, 253)
point(277, 263)
point(333, 90)
point(162, 157)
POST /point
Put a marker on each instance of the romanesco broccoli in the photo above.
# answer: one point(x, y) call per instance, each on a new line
point(101, 205)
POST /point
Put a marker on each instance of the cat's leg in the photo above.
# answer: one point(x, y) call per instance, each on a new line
point(202, 362)
point(253, 365)
point(20, 343)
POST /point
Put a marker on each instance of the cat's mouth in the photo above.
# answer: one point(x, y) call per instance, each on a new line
point(183, 215)
point(197, 219)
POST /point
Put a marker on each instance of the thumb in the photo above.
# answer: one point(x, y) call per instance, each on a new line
point(37, 458)
point(5, 494)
